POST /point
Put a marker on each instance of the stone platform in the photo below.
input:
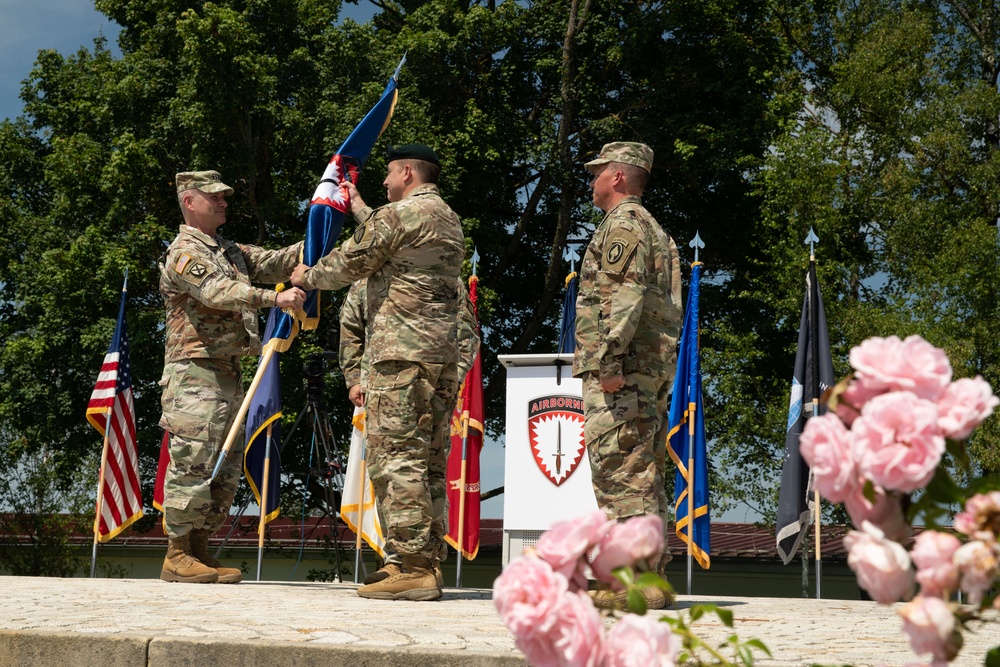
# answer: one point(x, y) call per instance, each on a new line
point(149, 623)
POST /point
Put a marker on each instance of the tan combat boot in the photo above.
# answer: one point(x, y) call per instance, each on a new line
point(180, 565)
point(390, 569)
point(415, 582)
point(199, 547)
point(383, 573)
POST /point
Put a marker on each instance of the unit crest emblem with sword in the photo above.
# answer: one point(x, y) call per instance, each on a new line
point(555, 431)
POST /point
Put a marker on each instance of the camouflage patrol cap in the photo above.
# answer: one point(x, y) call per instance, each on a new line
point(413, 152)
point(206, 181)
point(626, 152)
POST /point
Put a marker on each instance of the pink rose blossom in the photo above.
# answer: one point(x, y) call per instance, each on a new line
point(564, 545)
point(886, 513)
point(527, 595)
point(577, 636)
point(896, 441)
point(981, 518)
point(882, 566)
point(850, 402)
point(891, 364)
point(964, 405)
point(640, 641)
point(826, 446)
point(932, 553)
point(930, 625)
point(978, 566)
point(640, 539)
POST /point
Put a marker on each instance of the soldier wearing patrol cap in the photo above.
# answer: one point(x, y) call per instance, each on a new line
point(411, 253)
point(211, 322)
point(628, 319)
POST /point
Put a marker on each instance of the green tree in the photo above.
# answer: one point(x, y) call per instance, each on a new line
point(514, 96)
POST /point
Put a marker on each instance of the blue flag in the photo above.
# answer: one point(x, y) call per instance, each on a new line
point(684, 447)
point(329, 206)
point(265, 409)
point(567, 326)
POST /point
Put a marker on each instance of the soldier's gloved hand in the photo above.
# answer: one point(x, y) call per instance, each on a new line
point(290, 298)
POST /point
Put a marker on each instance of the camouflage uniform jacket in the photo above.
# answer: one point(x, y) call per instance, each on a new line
point(628, 310)
point(353, 333)
point(411, 251)
point(211, 305)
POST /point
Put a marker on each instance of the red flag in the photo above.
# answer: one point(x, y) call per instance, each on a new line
point(470, 409)
point(161, 471)
point(120, 495)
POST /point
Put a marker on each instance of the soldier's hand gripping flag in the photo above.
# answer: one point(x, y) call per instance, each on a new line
point(111, 411)
point(687, 447)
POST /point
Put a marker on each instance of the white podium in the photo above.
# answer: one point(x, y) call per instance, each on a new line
point(546, 468)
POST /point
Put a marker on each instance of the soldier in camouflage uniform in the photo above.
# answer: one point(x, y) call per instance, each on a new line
point(211, 321)
point(411, 251)
point(628, 319)
point(354, 365)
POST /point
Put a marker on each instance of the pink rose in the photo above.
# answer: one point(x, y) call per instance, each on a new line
point(564, 545)
point(577, 636)
point(826, 446)
point(527, 595)
point(932, 553)
point(981, 518)
point(882, 566)
point(978, 567)
point(639, 539)
point(850, 402)
point(930, 625)
point(886, 513)
point(909, 365)
point(964, 405)
point(897, 442)
point(640, 641)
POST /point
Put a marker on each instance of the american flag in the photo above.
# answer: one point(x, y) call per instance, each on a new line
point(121, 502)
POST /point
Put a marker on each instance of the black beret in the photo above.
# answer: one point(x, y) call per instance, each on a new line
point(413, 152)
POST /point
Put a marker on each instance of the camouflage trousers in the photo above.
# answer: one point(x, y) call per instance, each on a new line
point(200, 400)
point(409, 406)
point(626, 436)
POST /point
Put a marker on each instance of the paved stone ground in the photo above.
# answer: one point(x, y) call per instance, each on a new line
point(149, 623)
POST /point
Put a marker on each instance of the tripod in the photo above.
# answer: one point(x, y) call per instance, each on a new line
point(323, 452)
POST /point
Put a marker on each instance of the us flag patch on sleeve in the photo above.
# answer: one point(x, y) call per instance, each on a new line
point(182, 263)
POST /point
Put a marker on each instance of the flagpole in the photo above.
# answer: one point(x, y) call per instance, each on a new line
point(361, 510)
point(265, 360)
point(100, 493)
point(692, 407)
point(461, 498)
point(263, 499)
point(811, 239)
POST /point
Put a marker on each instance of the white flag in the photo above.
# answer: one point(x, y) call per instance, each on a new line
point(358, 500)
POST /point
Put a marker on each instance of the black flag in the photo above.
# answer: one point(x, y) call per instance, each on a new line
point(813, 375)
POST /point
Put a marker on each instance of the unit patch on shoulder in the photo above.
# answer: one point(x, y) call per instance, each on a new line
point(192, 270)
point(620, 247)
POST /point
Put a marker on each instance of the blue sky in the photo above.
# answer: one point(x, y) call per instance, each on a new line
point(29, 26)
